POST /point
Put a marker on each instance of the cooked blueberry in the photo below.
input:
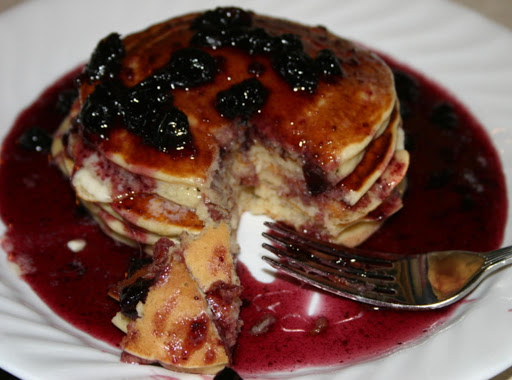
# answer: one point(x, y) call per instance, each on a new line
point(106, 58)
point(251, 40)
point(168, 131)
point(316, 178)
point(213, 38)
point(132, 294)
point(328, 65)
point(100, 109)
point(287, 42)
point(256, 41)
point(191, 67)
point(235, 37)
point(156, 87)
point(407, 88)
point(222, 18)
point(297, 69)
point(143, 101)
point(227, 374)
point(36, 139)
point(137, 263)
point(444, 116)
point(242, 99)
point(65, 100)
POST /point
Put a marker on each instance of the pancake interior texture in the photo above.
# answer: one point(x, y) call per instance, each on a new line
point(180, 128)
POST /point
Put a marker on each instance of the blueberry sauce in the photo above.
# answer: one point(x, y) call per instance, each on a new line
point(454, 170)
point(232, 27)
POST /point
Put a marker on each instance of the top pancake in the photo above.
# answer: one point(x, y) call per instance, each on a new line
point(330, 127)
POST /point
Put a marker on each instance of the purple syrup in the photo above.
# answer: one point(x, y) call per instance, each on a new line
point(455, 182)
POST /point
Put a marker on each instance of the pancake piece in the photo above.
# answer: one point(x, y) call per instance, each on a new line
point(174, 326)
point(180, 128)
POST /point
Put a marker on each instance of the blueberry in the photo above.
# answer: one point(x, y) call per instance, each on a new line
point(407, 88)
point(227, 374)
point(251, 40)
point(191, 67)
point(316, 178)
point(65, 100)
point(297, 69)
point(168, 130)
point(101, 107)
point(222, 18)
point(443, 115)
point(242, 99)
point(132, 294)
point(106, 58)
point(254, 41)
point(143, 100)
point(328, 66)
point(137, 263)
point(36, 139)
point(213, 38)
point(287, 42)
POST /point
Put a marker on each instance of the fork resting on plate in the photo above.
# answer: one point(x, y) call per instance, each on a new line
point(422, 281)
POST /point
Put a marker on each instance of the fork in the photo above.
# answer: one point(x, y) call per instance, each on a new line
point(421, 281)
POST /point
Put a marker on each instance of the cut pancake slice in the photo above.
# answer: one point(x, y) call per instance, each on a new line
point(210, 259)
point(188, 320)
point(175, 327)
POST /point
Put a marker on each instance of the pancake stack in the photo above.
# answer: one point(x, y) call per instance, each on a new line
point(182, 127)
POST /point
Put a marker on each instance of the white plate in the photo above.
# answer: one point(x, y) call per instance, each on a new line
point(39, 41)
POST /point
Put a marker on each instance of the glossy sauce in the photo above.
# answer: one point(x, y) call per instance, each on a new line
point(456, 198)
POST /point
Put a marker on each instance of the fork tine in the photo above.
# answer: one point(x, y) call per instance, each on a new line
point(288, 237)
point(328, 259)
point(342, 288)
point(333, 270)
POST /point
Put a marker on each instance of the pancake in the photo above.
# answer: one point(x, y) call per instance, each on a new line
point(175, 326)
point(180, 128)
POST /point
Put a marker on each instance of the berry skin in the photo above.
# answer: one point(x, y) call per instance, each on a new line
point(106, 59)
point(142, 101)
point(190, 67)
point(316, 179)
point(287, 42)
point(444, 116)
point(101, 107)
point(168, 131)
point(65, 100)
point(36, 139)
point(209, 38)
point(408, 92)
point(132, 294)
point(328, 66)
point(242, 99)
point(407, 88)
point(252, 40)
point(227, 374)
point(297, 69)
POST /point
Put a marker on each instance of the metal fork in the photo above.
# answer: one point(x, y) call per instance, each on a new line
point(422, 281)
